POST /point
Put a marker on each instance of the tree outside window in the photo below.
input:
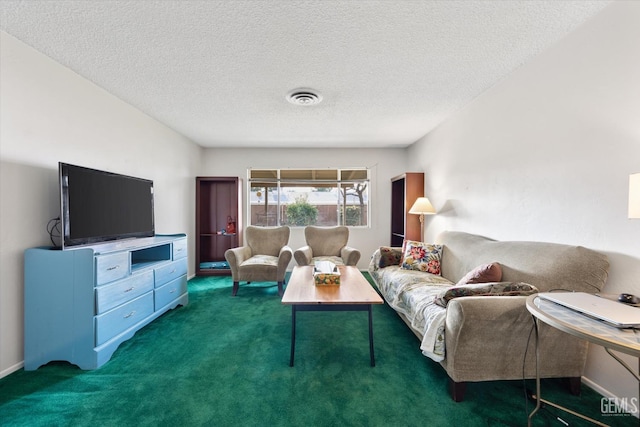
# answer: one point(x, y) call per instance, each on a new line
point(300, 213)
point(300, 197)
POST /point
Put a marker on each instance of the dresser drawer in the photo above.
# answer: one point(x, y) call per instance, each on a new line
point(116, 293)
point(169, 292)
point(111, 267)
point(180, 249)
point(170, 271)
point(121, 318)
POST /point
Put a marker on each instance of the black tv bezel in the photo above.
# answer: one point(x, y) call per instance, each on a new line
point(66, 242)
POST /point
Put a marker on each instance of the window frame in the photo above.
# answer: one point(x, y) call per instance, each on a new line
point(274, 180)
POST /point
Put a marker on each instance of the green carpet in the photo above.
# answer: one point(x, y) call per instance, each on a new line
point(224, 361)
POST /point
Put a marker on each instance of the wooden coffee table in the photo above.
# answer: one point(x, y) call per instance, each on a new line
point(353, 294)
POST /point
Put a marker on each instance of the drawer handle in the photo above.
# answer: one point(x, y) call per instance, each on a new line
point(129, 290)
point(130, 314)
point(173, 271)
point(172, 291)
point(115, 267)
point(179, 250)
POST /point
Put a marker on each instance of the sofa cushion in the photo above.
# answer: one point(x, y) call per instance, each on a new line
point(389, 256)
point(421, 256)
point(484, 273)
point(547, 266)
point(485, 289)
point(412, 293)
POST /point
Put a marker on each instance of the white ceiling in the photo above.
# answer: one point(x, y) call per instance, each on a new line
point(218, 71)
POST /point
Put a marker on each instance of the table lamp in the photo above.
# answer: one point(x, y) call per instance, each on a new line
point(422, 207)
point(634, 195)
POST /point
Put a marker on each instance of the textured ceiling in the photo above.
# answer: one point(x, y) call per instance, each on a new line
point(218, 72)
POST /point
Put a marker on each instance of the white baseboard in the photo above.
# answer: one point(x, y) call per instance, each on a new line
point(11, 369)
point(606, 393)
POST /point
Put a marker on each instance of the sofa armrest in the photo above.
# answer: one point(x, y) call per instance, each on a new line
point(235, 257)
point(374, 262)
point(303, 255)
point(489, 338)
point(349, 255)
point(376, 258)
point(480, 318)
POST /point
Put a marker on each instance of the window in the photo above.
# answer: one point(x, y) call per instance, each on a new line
point(300, 197)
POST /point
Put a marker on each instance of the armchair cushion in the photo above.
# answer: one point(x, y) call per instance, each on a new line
point(334, 259)
point(261, 260)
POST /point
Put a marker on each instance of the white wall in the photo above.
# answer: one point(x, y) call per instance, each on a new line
point(384, 164)
point(50, 114)
point(546, 156)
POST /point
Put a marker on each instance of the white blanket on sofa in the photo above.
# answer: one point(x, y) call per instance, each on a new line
point(413, 293)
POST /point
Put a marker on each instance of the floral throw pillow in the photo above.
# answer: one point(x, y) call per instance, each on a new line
point(389, 256)
point(421, 256)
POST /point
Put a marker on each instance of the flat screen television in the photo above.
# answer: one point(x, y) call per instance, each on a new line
point(97, 206)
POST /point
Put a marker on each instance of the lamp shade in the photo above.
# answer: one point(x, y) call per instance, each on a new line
point(422, 206)
point(634, 195)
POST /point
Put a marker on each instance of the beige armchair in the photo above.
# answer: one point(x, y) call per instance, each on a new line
point(264, 258)
point(327, 243)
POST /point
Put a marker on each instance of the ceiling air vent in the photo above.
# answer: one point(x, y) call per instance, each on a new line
point(304, 97)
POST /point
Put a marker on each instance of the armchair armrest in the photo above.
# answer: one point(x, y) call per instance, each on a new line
point(303, 255)
point(284, 257)
point(235, 257)
point(349, 255)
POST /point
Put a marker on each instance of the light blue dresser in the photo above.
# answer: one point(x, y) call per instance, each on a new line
point(81, 303)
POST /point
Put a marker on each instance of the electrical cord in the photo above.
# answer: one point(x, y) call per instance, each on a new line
point(53, 229)
point(530, 395)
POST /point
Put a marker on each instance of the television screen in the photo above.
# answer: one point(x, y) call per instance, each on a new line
point(98, 206)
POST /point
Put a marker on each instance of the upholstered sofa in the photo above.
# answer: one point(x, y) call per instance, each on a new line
point(489, 336)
